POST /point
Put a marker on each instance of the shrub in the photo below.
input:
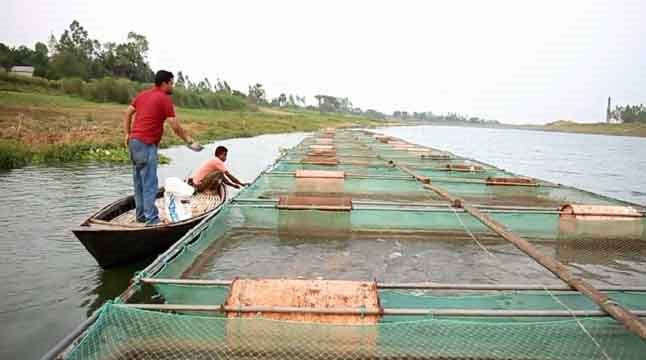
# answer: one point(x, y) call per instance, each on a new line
point(231, 102)
point(110, 90)
point(208, 100)
point(72, 86)
point(28, 80)
point(122, 91)
point(13, 155)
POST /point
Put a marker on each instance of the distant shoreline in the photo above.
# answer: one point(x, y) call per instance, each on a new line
point(634, 130)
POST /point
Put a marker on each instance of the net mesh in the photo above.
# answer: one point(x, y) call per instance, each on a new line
point(122, 333)
point(397, 231)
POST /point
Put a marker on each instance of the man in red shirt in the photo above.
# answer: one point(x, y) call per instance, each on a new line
point(150, 109)
point(212, 173)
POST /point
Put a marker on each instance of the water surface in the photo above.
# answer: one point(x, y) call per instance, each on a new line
point(51, 283)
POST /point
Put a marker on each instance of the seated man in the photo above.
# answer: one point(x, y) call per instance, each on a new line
point(212, 173)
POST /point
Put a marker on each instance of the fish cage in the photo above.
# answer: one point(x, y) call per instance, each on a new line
point(356, 245)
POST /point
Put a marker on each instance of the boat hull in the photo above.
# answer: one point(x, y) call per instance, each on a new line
point(113, 245)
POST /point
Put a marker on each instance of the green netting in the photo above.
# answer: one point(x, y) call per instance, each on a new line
point(473, 191)
point(380, 169)
point(538, 196)
point(251, 238)
point(384, 245)
point(122, 333)
point(436, 172)
point(273, 186)
point(435, 299)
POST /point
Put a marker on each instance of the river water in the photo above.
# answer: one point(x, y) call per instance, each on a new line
point(51, 283)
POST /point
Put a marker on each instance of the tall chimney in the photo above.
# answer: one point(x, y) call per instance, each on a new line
point(608, 111)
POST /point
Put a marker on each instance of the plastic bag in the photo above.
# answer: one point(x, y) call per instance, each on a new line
point(177, 199)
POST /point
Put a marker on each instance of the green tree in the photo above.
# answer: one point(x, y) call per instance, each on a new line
point(40, 59)
point(219, 86)
point(74, 53)
point(130, 59)
point(180, 82)
point(227, 88)
point(631, 113)
point(327, 103)
point(6, 57)
point(257, 94)
point(204, 85)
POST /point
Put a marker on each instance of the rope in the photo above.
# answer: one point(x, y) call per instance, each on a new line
point(501, 265)
point(471, 234)
point(594, 340)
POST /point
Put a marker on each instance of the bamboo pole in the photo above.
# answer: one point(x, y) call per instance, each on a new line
point(420, 285)
point(499, 287)
point(405, 209)
point(624, 316)
point(428, 207)
point(388, 311)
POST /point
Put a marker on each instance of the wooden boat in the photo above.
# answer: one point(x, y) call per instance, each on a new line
point(113, 237)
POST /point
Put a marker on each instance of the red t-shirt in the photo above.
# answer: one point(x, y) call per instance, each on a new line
point(153, 107)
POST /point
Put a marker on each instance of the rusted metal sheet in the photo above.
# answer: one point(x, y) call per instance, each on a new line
point(403, 147)
point(321, 147)
point(297, 202)
point(599, 212)
point(511, 181)
point(307, 294)
point(265, 337)
point(320, 174)
point(419, 150)
point(464, 167)
point(319, 181)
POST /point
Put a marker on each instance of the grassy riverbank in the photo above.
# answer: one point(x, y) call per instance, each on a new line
point(47, 128)
point(631, 129)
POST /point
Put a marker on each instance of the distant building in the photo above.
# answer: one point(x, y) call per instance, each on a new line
point(23, 70)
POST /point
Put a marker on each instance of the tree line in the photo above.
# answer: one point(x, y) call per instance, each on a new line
point(80, 65)
point(446, 118)
point(630, 113)
point(76, 55)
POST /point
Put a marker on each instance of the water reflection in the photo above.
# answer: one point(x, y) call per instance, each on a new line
point(109, 283)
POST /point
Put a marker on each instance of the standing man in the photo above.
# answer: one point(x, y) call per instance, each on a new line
point(150, 108)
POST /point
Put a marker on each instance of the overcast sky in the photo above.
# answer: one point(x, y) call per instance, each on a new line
point(514, 61)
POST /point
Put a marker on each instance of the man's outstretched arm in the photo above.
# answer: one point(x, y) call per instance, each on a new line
point(234, 179)
point(179, 130)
